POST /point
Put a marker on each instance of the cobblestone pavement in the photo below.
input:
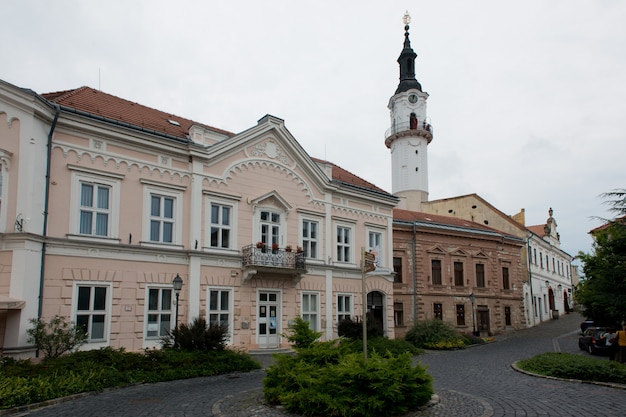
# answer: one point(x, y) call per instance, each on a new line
point(484, 373)
point(472, 382)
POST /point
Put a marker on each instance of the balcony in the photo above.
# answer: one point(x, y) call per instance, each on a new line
point(404, 129)
point(274, 263)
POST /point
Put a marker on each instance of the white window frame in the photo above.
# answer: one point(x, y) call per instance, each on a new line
point(94, 343)
point(232, 227)
point(168, 192)
point(229, 310)
point(342, 309)
point(94, 210)
point(309, 311)
point(159, 311)
point(113, 181)
point(274, 234)
point(349, 245)
point(307, 240)
point(372, 235)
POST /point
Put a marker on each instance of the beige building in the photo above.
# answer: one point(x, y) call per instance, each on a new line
point(105, 202)
point(548, 283)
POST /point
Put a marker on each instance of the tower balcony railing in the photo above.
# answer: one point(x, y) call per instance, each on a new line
point(275, 261)
point(423, 128)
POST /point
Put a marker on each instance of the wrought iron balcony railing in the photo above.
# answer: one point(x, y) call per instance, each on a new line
point(268, 257)
point(406, 127)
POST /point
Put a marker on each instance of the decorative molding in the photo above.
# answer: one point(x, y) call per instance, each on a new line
point(162, 184)
point(270, 150)
point(93, 171)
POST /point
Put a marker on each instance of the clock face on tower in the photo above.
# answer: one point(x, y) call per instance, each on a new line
point(413, 98)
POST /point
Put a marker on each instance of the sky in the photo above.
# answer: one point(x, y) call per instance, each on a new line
point(526, 99)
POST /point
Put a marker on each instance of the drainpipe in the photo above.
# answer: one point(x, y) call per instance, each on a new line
point(531, 313)
point(44, 233)
point(413, 250)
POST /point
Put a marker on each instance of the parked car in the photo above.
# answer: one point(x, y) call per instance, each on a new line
point(592, 341)
point(586, 324)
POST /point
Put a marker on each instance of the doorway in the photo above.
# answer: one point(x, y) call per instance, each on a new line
point(376, 309)
point(483, 319)
point(268, 324)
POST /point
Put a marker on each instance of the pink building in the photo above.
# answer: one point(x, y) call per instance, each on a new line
point(129, 197)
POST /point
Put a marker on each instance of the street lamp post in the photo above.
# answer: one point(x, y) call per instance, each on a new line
point(473, 299)
point(177, 283)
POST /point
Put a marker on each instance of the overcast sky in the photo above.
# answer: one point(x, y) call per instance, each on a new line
point(527, 99)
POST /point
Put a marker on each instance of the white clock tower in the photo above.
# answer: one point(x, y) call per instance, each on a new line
point(410, 133)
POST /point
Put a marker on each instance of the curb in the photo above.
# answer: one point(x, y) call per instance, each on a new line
point(579, 381)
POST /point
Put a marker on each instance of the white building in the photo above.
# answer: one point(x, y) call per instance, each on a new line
point(548, 293)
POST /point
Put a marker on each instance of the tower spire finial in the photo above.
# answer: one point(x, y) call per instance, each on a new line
point(407, 61)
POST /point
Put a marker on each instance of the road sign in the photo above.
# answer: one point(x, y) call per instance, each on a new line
point(370, 262)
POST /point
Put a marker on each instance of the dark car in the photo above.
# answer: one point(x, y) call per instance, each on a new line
point(592, 340)
point(585, 325)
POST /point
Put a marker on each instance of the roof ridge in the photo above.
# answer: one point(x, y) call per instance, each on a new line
point(63, 94)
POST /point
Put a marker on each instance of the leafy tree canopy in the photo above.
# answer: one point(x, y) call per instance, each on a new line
point(603, 291)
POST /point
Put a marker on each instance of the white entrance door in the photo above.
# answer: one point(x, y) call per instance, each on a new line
point(268, 319)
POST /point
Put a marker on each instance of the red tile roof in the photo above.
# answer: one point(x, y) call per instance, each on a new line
point(97, 103)
point(411, 216)
point(621, 220)
point(539, 229)
point(340, 174)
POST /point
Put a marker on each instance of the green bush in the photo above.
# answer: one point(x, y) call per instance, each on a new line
point(327, 379)
point(429, 334)
point(22, 382)
point(197, 335)
point(353, 329)
point(384, 345)
point(301, 334)
point(570, 366)
point(55, 337)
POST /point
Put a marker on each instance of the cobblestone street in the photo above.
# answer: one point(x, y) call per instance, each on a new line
point(473, 382)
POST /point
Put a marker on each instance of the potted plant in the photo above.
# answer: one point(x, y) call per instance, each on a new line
point(299, 249)
point(288, 248)
point(274, 247)
point(260, 245)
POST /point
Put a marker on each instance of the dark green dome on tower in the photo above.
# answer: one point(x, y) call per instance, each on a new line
point(407, 62)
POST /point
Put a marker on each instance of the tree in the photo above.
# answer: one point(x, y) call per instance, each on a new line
point(56, 337)
point(301, 334)
point(603, 291)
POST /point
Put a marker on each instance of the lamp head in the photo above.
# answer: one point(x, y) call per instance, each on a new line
point(177, 283)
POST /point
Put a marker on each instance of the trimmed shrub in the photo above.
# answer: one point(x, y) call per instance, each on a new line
point(197, 335)
point(55, 337)
point(433, 334)
point(353, 329)
point(301, 334)
point(384, 345)
point(328, 380)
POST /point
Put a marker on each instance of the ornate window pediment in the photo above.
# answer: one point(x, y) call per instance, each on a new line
point(272, 199)
point(480, 254)
point(458, 252)
point(438, 250)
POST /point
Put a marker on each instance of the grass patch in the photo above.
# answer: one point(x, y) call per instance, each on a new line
point(570, 366)
point(22, 382)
